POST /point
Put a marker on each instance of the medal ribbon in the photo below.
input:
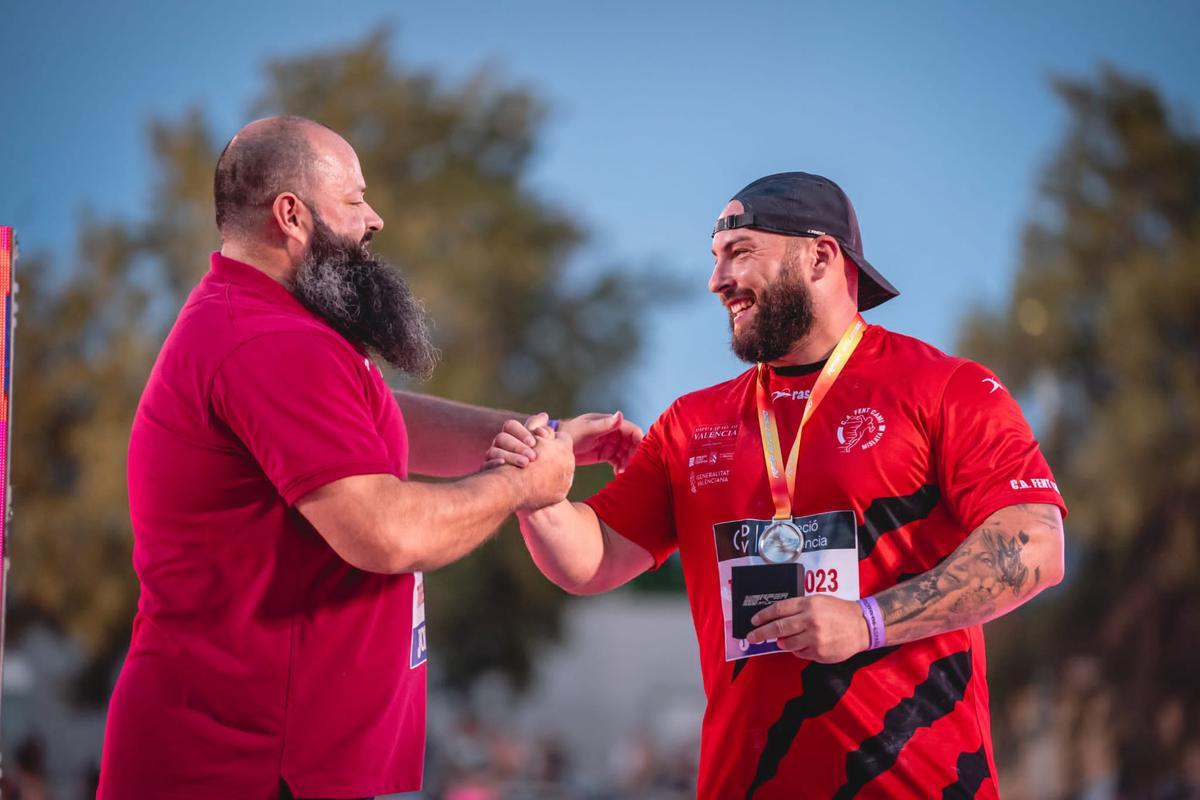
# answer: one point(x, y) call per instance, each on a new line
point(783, 478)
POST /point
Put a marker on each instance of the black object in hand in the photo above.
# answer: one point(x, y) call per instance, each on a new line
point(761, 585)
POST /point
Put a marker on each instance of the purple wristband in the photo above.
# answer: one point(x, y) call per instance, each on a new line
point(553, 424)
point(874, 618)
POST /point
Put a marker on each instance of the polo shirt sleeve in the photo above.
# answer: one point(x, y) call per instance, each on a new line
point(987, 456)
point(638, 503)
point(298, 401)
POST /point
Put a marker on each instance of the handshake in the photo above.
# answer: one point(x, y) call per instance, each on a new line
point(545, 456)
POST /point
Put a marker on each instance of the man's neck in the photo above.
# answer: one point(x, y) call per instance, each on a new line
point(274, 264)
point(816, 346)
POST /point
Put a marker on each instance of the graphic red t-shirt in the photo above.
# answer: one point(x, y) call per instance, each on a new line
point(908, 453)
point(258, 653)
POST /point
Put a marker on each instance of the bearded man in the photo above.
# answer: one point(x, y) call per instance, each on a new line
point(279, 645)
point(848, 512)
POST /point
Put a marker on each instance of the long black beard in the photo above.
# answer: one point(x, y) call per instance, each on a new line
point(365, 300)
point(783, 316)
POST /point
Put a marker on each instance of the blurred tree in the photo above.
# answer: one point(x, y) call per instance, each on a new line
point(1102, 334)
point(80, 360)
point(446, 167)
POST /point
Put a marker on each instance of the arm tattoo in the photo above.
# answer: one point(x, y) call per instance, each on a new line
point(1010, 571)
point(990, 573)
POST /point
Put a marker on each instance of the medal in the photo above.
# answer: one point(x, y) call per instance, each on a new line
point(782, 477)
point(780, 543)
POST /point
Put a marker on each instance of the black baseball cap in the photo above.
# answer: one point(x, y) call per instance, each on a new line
point(800, 204)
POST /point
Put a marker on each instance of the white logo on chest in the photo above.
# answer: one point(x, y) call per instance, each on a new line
point(861, 428)
point(710, 448)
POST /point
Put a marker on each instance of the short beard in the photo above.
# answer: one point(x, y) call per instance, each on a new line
point(783, 316)
point(365, 300)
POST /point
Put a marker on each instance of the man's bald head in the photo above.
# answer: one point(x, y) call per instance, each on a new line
point(265, 158)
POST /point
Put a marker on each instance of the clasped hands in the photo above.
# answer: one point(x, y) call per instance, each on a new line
point(586, 439)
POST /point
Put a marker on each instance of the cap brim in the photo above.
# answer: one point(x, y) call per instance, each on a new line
point(873, 288)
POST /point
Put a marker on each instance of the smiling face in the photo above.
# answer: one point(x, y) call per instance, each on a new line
point(761, 279)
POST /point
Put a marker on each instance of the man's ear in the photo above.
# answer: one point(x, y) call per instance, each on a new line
point(292, 217)
point(826, 251)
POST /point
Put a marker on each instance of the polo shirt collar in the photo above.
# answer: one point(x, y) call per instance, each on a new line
point(254, 279)
point(250, 277)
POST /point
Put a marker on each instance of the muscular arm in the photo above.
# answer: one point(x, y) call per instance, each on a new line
point(447, 438)
point(1016, 553)
point(380, 523)
point(576, 550)
point(1008, 559)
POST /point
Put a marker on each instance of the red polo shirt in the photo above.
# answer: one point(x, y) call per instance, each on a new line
point(257, 652)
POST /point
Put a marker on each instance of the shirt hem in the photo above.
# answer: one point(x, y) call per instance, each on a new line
point(656, 552)
point(303, 790)
point(1017, 498)
point(300, 487)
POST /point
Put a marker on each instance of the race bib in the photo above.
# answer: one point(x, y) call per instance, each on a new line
point(824, 558)
point(418, 652)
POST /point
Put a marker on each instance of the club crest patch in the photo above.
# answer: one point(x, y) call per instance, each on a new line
point(861, 428)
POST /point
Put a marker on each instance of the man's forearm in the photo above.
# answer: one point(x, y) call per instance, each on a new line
point(438, 524)
point(446, 438)
point(380, 523)
point(577, 552)
point(565, 543)
point(1011, 557)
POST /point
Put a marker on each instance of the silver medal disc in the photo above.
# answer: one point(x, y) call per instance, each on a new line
point(780, 543)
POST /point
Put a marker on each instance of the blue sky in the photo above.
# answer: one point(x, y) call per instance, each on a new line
point(935, 117)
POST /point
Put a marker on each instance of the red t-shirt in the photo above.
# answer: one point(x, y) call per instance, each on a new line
point(921, 448)
point(257, 652)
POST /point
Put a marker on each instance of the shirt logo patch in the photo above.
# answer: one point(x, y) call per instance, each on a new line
point(711, 457)
point(712, 477)
point(709, 435)
point(861, 428)
point(710, 451)
point(790, 394)
point(1033, 483)
point(995, 384)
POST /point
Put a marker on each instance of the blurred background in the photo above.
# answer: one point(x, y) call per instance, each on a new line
point(1027, 174)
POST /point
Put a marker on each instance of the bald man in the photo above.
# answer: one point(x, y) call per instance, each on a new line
point(279, 646)
point(848, 512)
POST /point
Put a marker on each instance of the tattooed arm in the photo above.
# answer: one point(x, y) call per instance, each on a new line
point(1016, 553)
point(1013, 555)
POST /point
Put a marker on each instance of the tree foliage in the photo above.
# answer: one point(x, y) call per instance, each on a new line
point(1102, 334)
point(446, 167)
